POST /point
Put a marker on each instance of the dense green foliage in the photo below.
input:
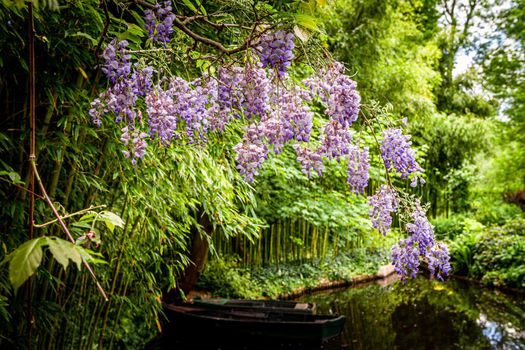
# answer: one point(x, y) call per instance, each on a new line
point(228, 278)
point(136, 225)
point(493, 255)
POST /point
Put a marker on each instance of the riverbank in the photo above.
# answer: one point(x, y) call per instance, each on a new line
point(385, 274)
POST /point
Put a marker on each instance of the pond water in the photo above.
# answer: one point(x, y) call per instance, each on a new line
point(426, 314)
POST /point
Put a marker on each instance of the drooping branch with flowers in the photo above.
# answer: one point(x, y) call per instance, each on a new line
point(150, 106)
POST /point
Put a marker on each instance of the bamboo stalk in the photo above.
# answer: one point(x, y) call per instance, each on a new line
point(32, 157)
point(259, 250)
point(270, 260)
point(115, 274)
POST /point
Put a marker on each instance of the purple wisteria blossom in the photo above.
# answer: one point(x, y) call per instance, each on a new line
point(398, 155)
point(337, 92)
point(344, 101)
point(383, 204)
point(276, 51)
point(251, 152)
point(135, 141)
point(405, 257)
point(98, 109)
point(420, 245)
point(159, 22)
point(256, 88)
point(142, 82)
point(230, 97)
point(358, 165)
point(310, 160)
point(421, 230)
point(439, 261)
point(117, 63)
point(162, 113)
point(278, 130)
point(335, 140)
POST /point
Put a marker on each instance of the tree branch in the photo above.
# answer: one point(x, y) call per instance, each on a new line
point(70, 215)
point(181, 24)
point(64, 227)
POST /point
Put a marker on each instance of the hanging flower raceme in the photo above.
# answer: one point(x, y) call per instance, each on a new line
point(276, 51)
point(358, 165)
point(420, 245)
point(398, 155)
point(230, 97)
point(251, 152)
point(311, 161)
point(439, 261)
point(117, 63)
point(344, 100)
point(383, 204)
point(159, 22)
point(255, 86)
point(335, 140)
point(135, 141)
point(162, 115)
point(337, 92)
point(421, 229)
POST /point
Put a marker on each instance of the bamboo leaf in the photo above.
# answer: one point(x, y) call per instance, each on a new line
point(203, 10)
point(24, 261)
point(63, 251)
point(92, 40)
point(190, 5)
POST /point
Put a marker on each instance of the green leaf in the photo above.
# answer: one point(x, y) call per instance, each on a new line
point(111, 220)
point(24, 261)
point(15, 178)
point(301, 33)
point(63, 250)
point(307, 21)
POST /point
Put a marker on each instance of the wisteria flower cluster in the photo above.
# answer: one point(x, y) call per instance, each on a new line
point(128, 84)
point(398, 155)
point(358, 165)
point(159, 22)
point(276, 51)
point(338, 93)
point(251, 152)
point(420, 244)
point(382, 206)
point(117, 61)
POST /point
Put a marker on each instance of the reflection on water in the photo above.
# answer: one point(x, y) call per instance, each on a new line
point(426, 314)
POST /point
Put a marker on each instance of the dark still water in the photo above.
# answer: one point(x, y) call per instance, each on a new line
point(426, 314)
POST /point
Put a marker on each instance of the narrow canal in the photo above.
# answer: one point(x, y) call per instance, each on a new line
point(426, 314)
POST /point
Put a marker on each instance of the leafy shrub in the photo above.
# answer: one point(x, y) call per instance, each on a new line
point(500, 256)
point(448, 227)
point(462, 253)
point(496, 256)
point(226, 278)
point(496, 212)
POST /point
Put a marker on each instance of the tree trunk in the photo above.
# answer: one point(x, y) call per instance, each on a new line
point(198, 257)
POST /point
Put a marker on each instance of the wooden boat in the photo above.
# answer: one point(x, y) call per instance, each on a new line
point(203, 326)
point(256, 305)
